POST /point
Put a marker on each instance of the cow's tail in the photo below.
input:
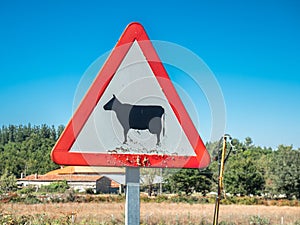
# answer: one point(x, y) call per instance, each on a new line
point(164, 123)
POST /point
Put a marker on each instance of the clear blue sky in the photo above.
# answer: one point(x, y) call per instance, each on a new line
point(253, 48)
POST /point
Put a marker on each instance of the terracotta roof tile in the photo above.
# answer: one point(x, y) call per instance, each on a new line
point(88, 170)
point(55, 177)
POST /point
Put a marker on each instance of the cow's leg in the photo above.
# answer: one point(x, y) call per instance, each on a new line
point(158, 139)
point(155, 127)
point(125, 135)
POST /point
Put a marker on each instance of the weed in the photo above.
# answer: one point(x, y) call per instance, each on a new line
point(226, 223)
point(257, 220)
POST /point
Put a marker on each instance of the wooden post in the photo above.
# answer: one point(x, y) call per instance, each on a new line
point(220, 181)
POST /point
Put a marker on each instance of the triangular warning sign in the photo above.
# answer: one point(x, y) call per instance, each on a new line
point(131, 115)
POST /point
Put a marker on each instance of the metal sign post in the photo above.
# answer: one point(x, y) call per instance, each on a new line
point(132, 205)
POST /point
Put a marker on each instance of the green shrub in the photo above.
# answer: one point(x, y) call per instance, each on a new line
point(257, 220)
point(226, 223)
point(31, 199)
point(27, 190)
point(70, 196)
point(145, 198)
point(161, 198)
point(203, 200)
point(55, 187)
point(34, 220)
point(89, 191)
point(297, 222)
point(226, 201)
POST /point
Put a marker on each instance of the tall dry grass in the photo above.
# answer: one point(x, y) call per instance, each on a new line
point(156, 213)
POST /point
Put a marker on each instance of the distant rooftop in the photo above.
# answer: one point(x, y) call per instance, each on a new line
point(87, 170)
point(56, 177)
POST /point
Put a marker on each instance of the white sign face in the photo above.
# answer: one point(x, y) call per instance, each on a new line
point(133, 86)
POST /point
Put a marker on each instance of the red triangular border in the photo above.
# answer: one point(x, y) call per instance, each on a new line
point(60, 153)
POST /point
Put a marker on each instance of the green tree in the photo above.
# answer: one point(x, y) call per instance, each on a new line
point(190, 180)
point(286, 171)
point(248, 142)
point(265, 163)
point(243, 177)
point(243, 173)
point(60, 129)
point(8, 182)
point(26, 149)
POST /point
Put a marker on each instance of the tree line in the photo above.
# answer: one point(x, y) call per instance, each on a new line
point(25, 149)
point(252, 170)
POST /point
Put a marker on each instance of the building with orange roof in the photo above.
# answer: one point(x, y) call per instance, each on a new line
point(81, 178)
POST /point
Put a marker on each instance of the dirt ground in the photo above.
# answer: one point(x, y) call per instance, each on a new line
point(170, 213)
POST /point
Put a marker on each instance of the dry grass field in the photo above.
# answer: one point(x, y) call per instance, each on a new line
point(157, 213)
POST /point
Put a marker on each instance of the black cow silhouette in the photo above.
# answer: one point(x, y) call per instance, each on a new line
point(139, 117)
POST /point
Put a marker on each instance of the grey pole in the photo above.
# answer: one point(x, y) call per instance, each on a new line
point(132, 207)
